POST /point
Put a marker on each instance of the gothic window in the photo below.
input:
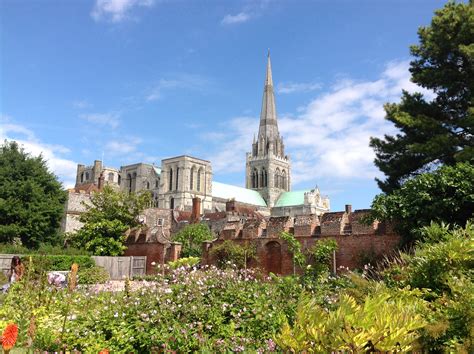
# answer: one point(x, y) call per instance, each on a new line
point(157, 183)
point(199, 179)
point(277, 178)
point(129, 178)
point(82, 177)
point(283, 180)
point(147, 185)
point(256, 178)
point(177, 177)
point(172, 203)
point(111, 177)
point(119, 179)
point(171, 180)
point(262, 181)
point(87, 176)
point(264, 177)
point(191, 178)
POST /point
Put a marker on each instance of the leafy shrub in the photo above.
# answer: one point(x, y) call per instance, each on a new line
point(321, 255)
point(191, 238)
point(184, 262)
point(93, 275)
point(231, 253)
point(44, 248)
point(386, 321)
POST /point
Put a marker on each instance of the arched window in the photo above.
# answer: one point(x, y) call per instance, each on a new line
point(261, 179)
point(283, 180)
point(82, 177)
point(147, 185)
point(111, 177)
point(87, 176)
point(253, 179)
point(199, 179)
point(256, 178)
point(129, 179)
point(277, 178)
point(264, 177)
point(171, 180)
point(119, 179)
point(157, 183)
point(177, 178)
point(191, 178)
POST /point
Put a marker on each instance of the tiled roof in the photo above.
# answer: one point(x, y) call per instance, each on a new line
point(242, 195)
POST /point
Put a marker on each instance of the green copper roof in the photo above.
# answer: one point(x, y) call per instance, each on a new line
point(243, 195)
point(157, 170)
point(291, 198)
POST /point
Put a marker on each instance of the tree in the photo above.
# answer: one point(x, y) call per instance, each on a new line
point(439, 132)
point(191, 237)
point(109, 214)
point(445, 195)
point(230, 252)
point(31, 198)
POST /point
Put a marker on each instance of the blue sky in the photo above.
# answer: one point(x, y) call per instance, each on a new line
point(142, 80)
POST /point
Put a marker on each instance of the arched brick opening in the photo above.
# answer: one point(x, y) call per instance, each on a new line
point(273, 257)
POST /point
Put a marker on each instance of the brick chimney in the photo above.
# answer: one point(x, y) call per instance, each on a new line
point(101, 181)
point(230, 205)
point(348, 208)
point(196, 211)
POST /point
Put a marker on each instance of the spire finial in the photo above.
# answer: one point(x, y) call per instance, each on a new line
point(268, 52)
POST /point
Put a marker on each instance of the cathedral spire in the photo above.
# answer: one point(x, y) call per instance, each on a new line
point(268, 118)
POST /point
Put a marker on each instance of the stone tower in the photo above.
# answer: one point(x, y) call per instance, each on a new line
point(267, 167)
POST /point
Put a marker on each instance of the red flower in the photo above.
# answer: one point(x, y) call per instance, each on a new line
point(9, 336)
point(104, 351)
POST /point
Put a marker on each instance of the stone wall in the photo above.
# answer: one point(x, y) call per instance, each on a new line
point(73, 209)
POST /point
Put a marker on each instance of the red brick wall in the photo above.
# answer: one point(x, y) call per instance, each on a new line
point(351, 250)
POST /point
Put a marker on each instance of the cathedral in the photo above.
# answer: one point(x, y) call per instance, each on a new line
point(179, 179)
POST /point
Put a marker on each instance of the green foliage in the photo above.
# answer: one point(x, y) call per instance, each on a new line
point(446, 269)
point(440, 131)
point(191, 238)
point(187, 262)
point(321, 255)
point(93, 275)
point(108, 215)
point(230, 253)
point(295, 249)
point(57, 262)
point(385, 321)
point(103, 238)
point(445, 195)
point(46, 249)
point(31, 198)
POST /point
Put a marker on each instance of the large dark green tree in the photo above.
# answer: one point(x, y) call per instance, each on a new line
point(31, 198)
point(437, 132)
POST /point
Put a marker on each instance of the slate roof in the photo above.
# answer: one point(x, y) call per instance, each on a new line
point(242, 195)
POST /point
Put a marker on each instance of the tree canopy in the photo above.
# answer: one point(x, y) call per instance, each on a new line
point(109, 214)
point(191, 237)
point(437, 132)
point(31, 198)
point(445, 195)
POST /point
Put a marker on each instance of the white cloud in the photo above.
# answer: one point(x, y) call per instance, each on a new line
point(110, 119)
point(64, 168)
point(292, 87)
point(117, 10)
point(81, 104)
point(124, 146)
point(234, 19)
point(329, 137)
point(182, 81)
point(252, 10)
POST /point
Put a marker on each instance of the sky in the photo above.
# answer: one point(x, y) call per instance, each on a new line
point(131, 81)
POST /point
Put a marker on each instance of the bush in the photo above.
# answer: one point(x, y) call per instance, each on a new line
point(230, 252)
point(191, 237)
point(46, 263)
point(184, 262)
point(93, 275)
point(44, 248)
